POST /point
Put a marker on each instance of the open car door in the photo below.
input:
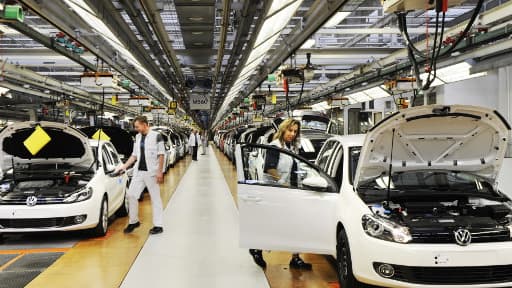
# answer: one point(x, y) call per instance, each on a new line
point(298, 215)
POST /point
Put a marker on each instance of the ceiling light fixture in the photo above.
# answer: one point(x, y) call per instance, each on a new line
point(308, 44)
point(276, 19)
point(336, 19)
point(196, 18)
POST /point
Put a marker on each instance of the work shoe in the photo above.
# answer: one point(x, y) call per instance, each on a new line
point(298, 263)
point(131, 227)
point(156, 230)
point(257, 256)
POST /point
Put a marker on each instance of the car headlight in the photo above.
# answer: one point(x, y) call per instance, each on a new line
point(79, 195)
point(380, 228)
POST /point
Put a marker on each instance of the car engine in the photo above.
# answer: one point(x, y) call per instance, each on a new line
point(436, 222)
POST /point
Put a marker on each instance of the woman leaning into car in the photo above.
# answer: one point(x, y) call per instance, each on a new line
point(279, 168)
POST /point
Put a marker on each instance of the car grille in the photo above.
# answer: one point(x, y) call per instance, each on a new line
point(37, 222)
point(448, 237)
point(40, 201)
point(452, 275)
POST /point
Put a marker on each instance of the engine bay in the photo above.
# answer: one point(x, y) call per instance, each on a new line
point(43, 183)
point(435, 221)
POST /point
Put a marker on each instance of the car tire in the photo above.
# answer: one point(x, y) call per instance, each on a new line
point(101, 229)
point(124, 209)
point(346, 277)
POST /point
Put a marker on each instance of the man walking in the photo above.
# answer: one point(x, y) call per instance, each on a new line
point(193, 142)
point(204, 142)
point(148, 156)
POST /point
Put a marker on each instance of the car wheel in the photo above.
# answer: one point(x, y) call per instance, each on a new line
point(101, 229)
point(344, 263)
point(123, 210)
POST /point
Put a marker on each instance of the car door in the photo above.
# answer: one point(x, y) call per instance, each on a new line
point(297, 216)
point(113, 185)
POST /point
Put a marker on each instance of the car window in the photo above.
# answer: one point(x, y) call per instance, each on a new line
point(267, 165)
point(108, 164)
point(325, 154)
point(354, 153)
point(114, 155)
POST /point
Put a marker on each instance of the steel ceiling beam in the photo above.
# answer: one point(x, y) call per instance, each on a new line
point(161, 34)
point(473, 49)
point(317, 15)
point(220, 52)
point(22, 75)
point(247, 16)
point(50, 43)
point(68, 21)
point(107, 12)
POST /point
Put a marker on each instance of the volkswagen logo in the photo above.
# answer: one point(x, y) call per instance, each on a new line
point(462, 237)
point(31, 201)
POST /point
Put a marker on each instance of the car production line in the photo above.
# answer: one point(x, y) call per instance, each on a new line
point(74, 259)
point(193, 253)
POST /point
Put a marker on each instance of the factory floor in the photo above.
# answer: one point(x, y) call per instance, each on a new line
point(199, 246)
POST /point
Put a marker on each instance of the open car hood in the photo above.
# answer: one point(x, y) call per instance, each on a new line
point(120, 138)
point(67, 145)
point(455, 138)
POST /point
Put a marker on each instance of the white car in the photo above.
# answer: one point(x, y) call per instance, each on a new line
point(438, 221)
point(64, 186)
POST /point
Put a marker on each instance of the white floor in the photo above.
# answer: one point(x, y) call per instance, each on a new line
point(199, 247)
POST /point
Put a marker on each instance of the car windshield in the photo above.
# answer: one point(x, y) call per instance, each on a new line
point(314, 122)
point(441, 183)
point(354, 159)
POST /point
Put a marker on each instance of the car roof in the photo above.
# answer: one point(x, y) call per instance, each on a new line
point(350, 140)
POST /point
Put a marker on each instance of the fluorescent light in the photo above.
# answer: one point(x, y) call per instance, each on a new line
point(276, 19)
point(278, 4)
point(457, 72)
point(276, 23)
point(376, 92)
point(368, 95)
point(308, 44)
point(336, 19)
point(8, 30)
point(88, 15)
point(322, 106)
point(436, 82)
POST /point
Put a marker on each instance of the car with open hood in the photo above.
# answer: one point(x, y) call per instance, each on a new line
point(414, 203)
point(53, 178)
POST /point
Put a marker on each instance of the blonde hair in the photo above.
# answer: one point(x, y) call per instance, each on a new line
point(283, 127)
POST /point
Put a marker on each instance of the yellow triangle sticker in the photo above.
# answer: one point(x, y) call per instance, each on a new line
point(100, 135)
point(37, 140)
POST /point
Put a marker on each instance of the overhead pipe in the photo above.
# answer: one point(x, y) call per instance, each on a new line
point(144, 30)
point(223, 34)
point(46, 12)
point(30, 77)
point(150, 9)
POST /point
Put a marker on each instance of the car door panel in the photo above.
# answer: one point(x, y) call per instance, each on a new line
point(289, 218)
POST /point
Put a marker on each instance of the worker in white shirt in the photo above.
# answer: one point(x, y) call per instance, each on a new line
point(204, 142)
point(148, 156)
point(193, 142)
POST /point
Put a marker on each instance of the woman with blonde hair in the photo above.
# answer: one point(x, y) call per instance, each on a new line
point(279, 168)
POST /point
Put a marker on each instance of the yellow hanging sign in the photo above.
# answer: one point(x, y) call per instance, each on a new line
point(100, 135)
point(37, 140)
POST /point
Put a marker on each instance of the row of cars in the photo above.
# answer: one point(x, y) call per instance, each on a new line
point(54, 177)
point(315, 128)
point(413, 203)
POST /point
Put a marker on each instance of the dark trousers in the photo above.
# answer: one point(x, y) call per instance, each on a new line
point(194, 152)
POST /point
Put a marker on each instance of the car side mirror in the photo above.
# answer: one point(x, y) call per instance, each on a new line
point(315, 182)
